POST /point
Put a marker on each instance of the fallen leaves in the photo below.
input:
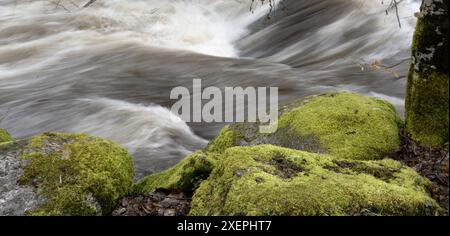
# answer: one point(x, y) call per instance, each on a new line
point(430, 162)
point(159, 203)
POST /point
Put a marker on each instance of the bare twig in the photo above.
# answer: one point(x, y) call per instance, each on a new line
point(396, 13)
point(76, 5)
point(58, 4)
point(89, 3)
point(394, 5)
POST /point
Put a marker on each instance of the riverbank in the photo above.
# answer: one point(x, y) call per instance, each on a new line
point(338, 163)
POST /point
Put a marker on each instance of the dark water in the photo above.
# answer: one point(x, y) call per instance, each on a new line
point(108, 70)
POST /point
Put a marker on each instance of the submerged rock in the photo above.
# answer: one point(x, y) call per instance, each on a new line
point(270, 180)
point(4, 136)
point(63, 174)
point(345, 125)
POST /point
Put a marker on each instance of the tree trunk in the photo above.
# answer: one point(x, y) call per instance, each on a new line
point(427, 91)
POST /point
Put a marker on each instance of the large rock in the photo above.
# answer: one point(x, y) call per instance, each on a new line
point(343, 172)
point(63, 174)
point(345, 125)
point(427, 97)
point(269, 180)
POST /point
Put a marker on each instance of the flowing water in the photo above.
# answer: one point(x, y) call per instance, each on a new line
point(108, 69)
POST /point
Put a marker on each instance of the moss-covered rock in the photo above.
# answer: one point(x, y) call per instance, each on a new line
point(185, 176)
point(427, 100)
point(229, 136)
point(269, 180)
point(72, 174)
point(345, 125)
point(4, 136)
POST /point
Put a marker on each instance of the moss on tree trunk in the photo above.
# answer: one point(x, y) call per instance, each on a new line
point(427, 91)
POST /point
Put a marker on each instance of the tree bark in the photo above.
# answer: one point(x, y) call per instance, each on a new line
point(427, 97)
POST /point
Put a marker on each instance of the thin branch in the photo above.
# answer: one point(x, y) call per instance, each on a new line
point(60, 5)
point(396, 13)
point(76, 5)
point(89, 3)
point(394, 5)
point(57, 4)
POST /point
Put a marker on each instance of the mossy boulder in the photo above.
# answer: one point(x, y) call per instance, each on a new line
point(427, 100)
point(268, 180)
point(327, 158)
point(65, 174)
point(186, 176)
point(345, 125)
point(5, 136)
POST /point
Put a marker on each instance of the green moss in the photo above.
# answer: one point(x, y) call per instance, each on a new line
point(427, 107)
point(269, 180)
point(185, 176)
point(427, 100)
point(225, 139)
point(76, 173)
point(191, 171)
point(345, 125)
point(5, 136)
